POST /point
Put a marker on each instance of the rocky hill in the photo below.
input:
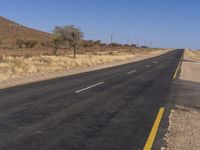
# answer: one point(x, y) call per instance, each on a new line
point(11, 31)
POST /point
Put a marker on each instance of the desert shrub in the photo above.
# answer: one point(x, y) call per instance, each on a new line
point(133, 45)
point(91, 43)
point(111, 53)
point(25, 43)
point(144, 46)
point(20, 43)
point(97, 43)
point(88, 43)
point(126, 45)
point(103, 44)
point(30, 43)
point(114, 44)
point(45, 44)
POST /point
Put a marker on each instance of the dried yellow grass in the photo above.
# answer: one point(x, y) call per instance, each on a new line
point(192, 54)
point(12, 67)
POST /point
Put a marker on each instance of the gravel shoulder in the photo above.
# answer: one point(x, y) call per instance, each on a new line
point(184, 120)
point(184, 131)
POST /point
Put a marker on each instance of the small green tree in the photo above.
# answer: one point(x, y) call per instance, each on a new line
point(70, 34)
point(56, 42)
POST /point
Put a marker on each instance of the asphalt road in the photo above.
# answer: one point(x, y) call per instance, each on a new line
point(108, 109)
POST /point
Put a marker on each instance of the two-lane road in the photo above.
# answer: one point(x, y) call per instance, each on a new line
point(109, 109)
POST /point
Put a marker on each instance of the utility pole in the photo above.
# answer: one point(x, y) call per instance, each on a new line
point(138, 43)
point(151, 44)
point(111, 38)
point(145, 43)
point(128, 39)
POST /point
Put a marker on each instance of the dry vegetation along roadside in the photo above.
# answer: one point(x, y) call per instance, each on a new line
point(12, 67)
point(17, 70)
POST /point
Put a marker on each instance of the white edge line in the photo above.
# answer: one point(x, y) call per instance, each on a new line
point(81, 90)
point(131, 71)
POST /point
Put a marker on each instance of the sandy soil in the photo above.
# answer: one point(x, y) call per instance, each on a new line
point(45, 76)
point(190, 69)
point(184, 129)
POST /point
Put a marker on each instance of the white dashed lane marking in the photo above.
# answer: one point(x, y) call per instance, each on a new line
point(147, 66)
point(130, 72)
point(89, 87)
point(155, 62)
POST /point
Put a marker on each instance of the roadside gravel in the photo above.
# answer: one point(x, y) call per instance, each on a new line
point(184, 121)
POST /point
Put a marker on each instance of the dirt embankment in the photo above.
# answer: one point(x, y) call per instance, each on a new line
point(184, 129)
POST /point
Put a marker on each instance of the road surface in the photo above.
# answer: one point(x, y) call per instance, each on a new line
point(109, 109)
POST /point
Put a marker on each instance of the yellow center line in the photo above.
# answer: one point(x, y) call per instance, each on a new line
point(154, 130)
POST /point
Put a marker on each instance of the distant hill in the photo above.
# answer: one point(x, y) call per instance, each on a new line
point(10, 31)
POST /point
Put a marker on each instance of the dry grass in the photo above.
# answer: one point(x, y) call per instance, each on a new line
point(91, 50)
point(12, 67)
point(192, 54)
point(22, 62)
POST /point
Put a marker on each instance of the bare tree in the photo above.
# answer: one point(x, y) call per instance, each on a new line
point(70, 34)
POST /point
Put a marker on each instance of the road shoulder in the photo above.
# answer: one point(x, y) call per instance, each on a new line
point(184, 120)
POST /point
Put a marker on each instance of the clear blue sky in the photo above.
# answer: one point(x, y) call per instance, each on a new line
point(165, 23)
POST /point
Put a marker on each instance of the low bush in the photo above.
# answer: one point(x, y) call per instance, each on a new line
point(26, 43)
point(46, 44)
point(20, 43)
point(30, 43)
point(114, 45)
point(133, 45)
